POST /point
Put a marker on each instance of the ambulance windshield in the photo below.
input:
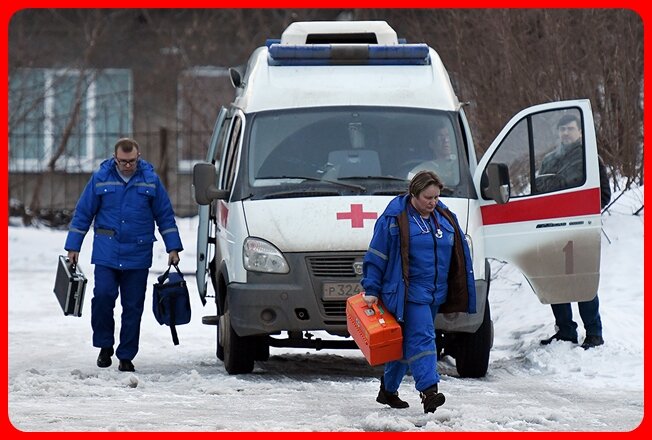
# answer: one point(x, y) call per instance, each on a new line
point(370, 146)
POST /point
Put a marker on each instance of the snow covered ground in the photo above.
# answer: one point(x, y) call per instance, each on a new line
point(54, 385)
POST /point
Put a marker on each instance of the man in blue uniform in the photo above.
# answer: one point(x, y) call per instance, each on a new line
point(122, 200)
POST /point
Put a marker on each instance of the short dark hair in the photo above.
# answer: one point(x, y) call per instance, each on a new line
point(422, 180)
point(126, 145)
point(437, 128)
point(567, 119)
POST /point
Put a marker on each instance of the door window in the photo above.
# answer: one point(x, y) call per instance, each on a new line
point(230, 158)
point(544, 152)
point(223, 129)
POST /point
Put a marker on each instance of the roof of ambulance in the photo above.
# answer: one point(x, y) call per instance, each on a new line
point(272, 86)
point(282, 87)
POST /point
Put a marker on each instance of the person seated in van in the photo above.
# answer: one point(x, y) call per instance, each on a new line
point(444, 160)
point(418, 264)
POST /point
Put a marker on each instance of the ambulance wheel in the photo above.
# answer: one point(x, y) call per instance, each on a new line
point(220, 350)
point(238, 351)
point(472, 349)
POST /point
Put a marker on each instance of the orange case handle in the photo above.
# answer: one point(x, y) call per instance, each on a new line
point(378, 311)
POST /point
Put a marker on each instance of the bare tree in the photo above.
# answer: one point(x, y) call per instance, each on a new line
point(499, 60)
point(87, 33)
point(504, 60)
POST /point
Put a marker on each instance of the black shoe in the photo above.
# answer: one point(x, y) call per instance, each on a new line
point(391, 399)
point(104, 358)
point(126, 365)
point(558, 337)
point(592, 341)
point(432, 399)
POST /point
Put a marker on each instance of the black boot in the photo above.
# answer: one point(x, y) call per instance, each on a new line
point(104, 358)
point(592, 341)
point(558, 337)
point(126, 365)
point(391, 399)
point(432, 399)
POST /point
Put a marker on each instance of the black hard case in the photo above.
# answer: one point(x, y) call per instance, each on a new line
point(69, 287)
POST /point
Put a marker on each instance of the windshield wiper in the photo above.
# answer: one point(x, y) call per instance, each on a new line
point(397, 179)
point(298, 193)
point(315, 179)
point(444, 192)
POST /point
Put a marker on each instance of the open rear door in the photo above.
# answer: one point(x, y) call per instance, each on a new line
point(550, 225)
point(206, 225)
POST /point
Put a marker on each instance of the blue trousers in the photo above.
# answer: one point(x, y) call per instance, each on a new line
point(589, 312)
point(419, 350)
point(131, 285)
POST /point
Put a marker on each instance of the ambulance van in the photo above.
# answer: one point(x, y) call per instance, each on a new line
point(329, 123)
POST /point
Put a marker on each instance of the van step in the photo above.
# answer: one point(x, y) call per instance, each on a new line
point(210, 320)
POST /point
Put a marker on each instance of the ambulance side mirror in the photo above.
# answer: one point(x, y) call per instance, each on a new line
point(497, 183)
point(203, 184)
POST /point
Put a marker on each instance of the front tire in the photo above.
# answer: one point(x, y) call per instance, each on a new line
point(238, 351)
point(472, 349)
point(220, 350)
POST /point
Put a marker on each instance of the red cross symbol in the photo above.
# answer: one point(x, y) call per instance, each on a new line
point(357, 215)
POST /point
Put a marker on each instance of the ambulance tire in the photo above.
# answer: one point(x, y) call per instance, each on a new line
point(238, 351)
point(220, 350)
point(472, 349)
point(261, 347)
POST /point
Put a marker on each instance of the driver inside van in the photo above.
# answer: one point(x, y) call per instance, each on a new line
point(444, 160)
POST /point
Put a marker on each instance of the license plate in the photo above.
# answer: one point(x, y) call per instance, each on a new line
point(339, 291)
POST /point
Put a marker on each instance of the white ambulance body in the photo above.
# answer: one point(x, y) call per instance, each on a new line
point(328, 125)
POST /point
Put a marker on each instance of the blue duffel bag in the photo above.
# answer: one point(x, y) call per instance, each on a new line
point(171, 302)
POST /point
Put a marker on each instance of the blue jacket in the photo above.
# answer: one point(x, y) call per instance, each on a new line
point(123, 215)
point(383, 264)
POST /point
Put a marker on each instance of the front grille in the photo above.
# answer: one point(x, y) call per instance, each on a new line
point(334, 308)
point(334, 268)
point(338, 266)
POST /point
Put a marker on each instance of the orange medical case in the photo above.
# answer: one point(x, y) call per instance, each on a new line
point(374, 330)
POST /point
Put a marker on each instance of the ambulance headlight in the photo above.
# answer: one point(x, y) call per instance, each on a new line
point(261, 256)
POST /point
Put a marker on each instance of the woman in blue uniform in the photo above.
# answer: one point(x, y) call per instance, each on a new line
point(419, 264)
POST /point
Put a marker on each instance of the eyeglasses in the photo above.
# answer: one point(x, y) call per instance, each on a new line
point(124, 162)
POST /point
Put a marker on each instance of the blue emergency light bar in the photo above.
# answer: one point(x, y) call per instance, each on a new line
point(348, 54)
